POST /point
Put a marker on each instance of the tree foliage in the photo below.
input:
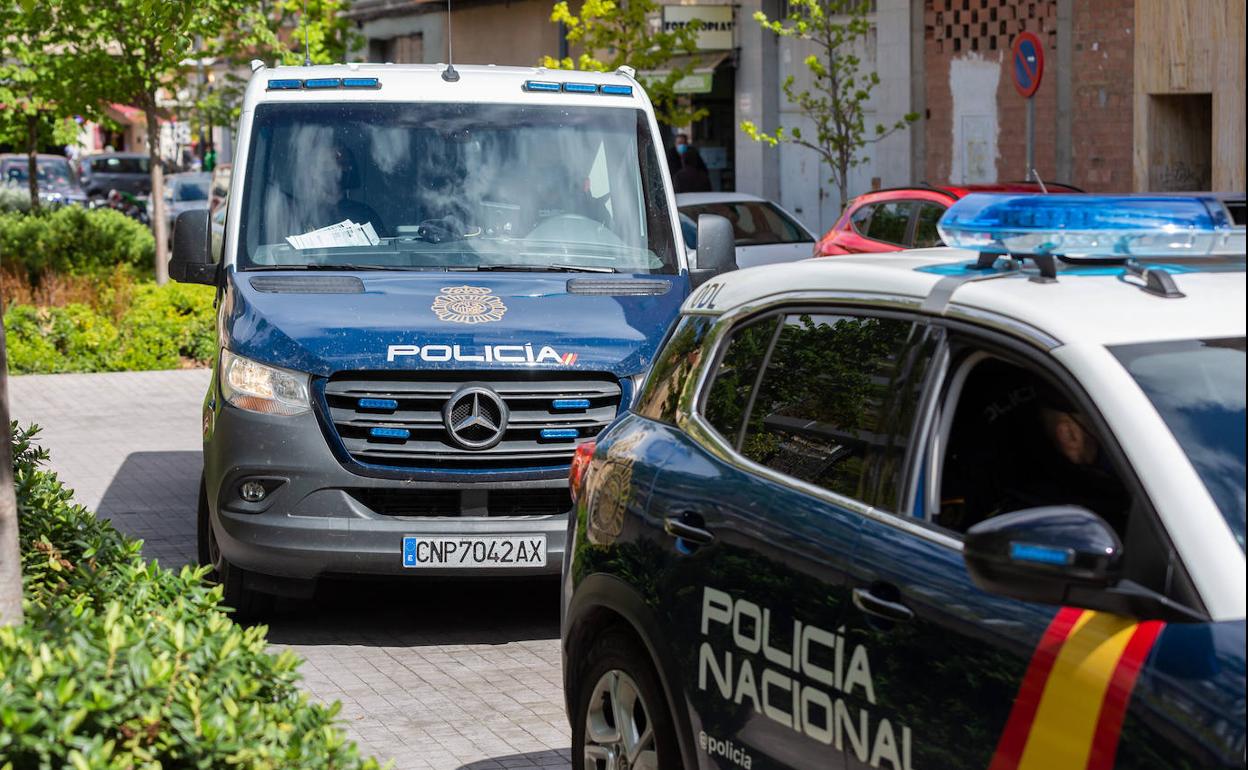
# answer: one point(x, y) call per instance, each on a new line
point(46, 76)
point(837, 102)
point(612, 35)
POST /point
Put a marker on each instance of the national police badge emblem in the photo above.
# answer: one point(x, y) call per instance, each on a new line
point(615, 491)
point(468, 305)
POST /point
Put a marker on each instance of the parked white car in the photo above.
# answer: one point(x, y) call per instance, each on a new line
point(764, 233)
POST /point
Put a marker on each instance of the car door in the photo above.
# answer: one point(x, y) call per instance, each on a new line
point(970, 679)
point(793, 436)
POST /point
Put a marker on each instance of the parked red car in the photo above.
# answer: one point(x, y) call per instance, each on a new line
point(905, 217)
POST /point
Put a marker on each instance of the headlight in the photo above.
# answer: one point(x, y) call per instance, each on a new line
point(258, 387)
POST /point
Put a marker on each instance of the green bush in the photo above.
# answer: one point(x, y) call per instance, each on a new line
point(123, 664)
point(14, 198)
point(73, 240)
point(162, 327)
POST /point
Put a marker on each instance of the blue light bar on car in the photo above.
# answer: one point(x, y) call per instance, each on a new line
point(617, 90)
point(580, 88)
point(285, 85)
point(541, 85)
point(361, 83)
point(322, 83)
point(1041, 554)
point(1093, 226)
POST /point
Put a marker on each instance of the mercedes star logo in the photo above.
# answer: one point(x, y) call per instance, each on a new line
point(475, 417)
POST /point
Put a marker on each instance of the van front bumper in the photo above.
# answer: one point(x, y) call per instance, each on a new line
point(316, 519)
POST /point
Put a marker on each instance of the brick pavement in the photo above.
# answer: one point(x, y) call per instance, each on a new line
point(434, 676)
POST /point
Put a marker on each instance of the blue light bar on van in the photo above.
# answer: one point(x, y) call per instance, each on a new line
point(559, 433)
point(570, 403)
point(322, 83)
point(580, 88)
point(617, 90)
point(399, 433)
point(361, 83)
point(541, 85)
point(1093, 226)
point(292, 84)
point(384, 404)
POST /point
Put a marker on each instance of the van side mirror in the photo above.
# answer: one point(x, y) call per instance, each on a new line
point(1061, 555)
point(192, 249)
point(717, 249)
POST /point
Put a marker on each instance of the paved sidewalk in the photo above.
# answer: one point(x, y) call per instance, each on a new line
point(445, 676)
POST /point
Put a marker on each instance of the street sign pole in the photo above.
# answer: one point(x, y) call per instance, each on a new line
point(1028, 68)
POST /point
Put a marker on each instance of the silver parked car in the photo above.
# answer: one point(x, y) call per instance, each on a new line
point(764, 233)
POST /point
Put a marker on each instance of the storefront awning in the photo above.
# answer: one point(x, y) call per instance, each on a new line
point(696, 82)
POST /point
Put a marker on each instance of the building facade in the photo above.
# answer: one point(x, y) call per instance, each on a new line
point(1135, 94)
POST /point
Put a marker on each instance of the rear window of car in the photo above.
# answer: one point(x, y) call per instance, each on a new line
point(119, 165)
point(754, 223)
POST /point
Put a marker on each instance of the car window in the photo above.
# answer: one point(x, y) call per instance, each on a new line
point(836, 404)
point(735, 376)
point(679, 357)
point(119, 165)
point(1017, 441)
point(889, 222)
point(688, 230)
point(925, 233)
point(754, 223)
point(861, 219)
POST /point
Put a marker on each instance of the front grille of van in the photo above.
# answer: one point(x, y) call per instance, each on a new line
point(396, 419)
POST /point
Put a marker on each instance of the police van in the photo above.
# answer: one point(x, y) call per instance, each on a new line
point(434, 284)
point(968, 507)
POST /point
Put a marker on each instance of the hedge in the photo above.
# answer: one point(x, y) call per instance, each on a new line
point(73, 240)
point(121, 663)
point(163, 327)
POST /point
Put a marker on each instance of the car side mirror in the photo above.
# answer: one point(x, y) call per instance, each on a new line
point(1062, 555)
point(716, 251)
point(192, 249)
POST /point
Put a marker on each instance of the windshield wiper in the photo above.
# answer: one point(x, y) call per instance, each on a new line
point(541, 268)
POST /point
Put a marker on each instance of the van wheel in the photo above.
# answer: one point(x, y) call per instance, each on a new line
point(248, 605)
point(621, 720)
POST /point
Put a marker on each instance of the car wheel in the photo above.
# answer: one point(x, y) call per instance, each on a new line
point(622, 721)
point(248, 605)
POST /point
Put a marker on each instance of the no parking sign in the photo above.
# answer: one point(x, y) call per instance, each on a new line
point(1028, 63)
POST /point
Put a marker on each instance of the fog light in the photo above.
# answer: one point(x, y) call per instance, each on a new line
point(252, 491)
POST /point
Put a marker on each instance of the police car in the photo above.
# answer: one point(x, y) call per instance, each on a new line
point(978, 506)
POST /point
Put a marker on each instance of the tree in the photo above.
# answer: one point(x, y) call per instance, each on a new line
point(151, 47)
point(10, 556)
point(836, 103)
point(612, 35)
point(45, 78)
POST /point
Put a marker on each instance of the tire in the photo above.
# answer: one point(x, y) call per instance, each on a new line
point(618, 671)
point(247, 604)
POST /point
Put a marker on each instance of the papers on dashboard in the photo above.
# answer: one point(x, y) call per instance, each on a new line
point(345, 233)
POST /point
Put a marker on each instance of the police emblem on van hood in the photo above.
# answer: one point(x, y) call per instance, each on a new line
point(468, 305)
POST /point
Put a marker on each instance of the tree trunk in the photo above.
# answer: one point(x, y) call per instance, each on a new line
point(156, 204)
point(10, 556)
point(32, 162)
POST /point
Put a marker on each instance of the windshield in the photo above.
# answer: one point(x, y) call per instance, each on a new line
point(123, 165)
point(1198, 388)
point(754, 223)
point(47, 170)
point(454, 187)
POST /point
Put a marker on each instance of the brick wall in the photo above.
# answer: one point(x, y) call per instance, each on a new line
point(1102, 67)
point(1101, 81)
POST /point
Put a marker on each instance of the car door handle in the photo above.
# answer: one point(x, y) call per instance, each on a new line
point(679, 527)
point(881, 608)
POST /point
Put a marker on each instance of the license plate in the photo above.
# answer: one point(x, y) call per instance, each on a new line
point(488, 551)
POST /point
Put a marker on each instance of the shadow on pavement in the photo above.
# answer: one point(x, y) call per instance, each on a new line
point(420, 612)
point(153, 497)
point(550, 758)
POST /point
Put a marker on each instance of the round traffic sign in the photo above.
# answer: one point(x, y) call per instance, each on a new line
point(1028, 63)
